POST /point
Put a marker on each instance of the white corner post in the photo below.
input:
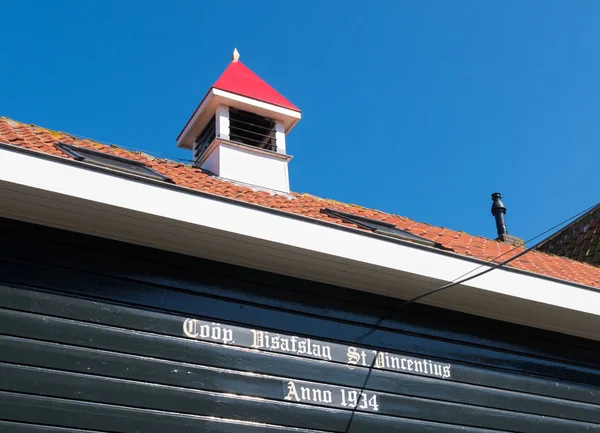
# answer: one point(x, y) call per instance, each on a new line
point(280, 136)
point(222, 122)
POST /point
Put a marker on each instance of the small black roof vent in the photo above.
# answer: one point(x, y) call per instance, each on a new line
point(117, 163)
point(380, 227)
point(498, 210)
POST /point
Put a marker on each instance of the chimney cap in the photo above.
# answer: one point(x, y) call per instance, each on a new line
point(497, 205)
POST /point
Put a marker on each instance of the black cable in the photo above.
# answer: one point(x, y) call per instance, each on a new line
point(455, 282)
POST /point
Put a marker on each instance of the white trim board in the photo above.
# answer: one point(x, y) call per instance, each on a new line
point(285, 112)
point(70, 195)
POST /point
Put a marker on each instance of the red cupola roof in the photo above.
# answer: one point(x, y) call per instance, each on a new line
point(239, 88)
point(238, 79)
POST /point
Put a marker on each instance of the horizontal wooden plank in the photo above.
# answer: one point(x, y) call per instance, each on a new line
point(268, 318)
point(34, 409)
point(26, 408)
point(117, 419)
point(75, 386)
point(177, 271)
point(29, 325)
point(170, 324)
point(17, 427)
point(367, 423)
point(53, 383)
point(118, 365)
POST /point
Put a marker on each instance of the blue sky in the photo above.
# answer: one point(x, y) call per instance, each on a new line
point(419, 108)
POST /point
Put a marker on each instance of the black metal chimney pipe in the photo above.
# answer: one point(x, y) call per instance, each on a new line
point(498, 210)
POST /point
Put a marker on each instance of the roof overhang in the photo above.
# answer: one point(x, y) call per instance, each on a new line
point(66, 194)
point(216, 97)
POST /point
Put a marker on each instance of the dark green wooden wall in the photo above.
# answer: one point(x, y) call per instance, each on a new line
point(91, 339)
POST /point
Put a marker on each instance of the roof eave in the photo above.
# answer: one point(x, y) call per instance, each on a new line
point(54, 191)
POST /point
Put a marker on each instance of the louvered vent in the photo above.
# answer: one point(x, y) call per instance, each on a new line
point(252, 129)
point(206, 137)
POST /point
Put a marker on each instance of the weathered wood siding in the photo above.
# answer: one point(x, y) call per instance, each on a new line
point(92, 338)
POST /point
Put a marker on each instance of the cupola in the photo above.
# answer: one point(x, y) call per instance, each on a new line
point(238, 132)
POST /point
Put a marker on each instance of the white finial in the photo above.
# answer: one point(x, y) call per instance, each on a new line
point(236, 55)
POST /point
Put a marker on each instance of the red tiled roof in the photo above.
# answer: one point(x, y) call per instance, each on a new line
point(44, 140)
point(238, 79)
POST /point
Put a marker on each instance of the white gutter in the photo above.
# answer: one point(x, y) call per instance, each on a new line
point(62, 193)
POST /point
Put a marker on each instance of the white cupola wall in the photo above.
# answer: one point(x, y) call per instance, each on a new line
point(238, 132)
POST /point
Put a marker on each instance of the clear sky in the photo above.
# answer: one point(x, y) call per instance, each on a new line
point(419, 108)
